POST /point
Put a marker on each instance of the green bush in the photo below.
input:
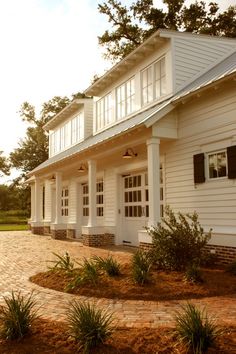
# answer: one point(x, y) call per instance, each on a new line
point(194, 328)
point(63, 262)
point(89, 326)
point(193, 274)
point(231, 268)
point(178, 241)
point(141, 266)
point(208, 259)
point(17, 315)
point(87, 273)
point(109, 265)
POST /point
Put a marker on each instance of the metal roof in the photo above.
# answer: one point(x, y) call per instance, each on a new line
point(118, 128)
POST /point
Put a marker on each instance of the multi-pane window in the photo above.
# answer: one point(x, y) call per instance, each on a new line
point(85, 198)
point(153, 80)
point(99, 198)
point(217, 164)
point(133, 196)
point(125, 94)
point(104, 112)
point(65, 202)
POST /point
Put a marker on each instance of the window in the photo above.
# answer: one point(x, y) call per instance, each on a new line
point(153, 81)
point(217, 164)
point(65, 202)
point(104, 112)
point(125, 99)
point(85, 191)
point(99, 198)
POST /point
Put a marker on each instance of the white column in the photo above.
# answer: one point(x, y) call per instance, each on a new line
point(32, 197)
point(73, 201)
point(48, 201)
point(37, 201)
point(153, 152)
point(92, 193)
point(58, 197)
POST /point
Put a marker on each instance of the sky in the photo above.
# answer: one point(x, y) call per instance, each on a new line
point(48, 48)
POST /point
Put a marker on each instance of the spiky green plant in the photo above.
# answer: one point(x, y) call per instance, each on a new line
point(109, 265)
point(196, 329)
point(63, 262)
point(141, 266)
point(90, 271)
point(17, 316)
point(193, 274)
point(88, 325)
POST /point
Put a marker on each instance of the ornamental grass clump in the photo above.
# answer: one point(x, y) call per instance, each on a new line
point(88, 272)
point(63, 262)
point(193, 274)
point(88, 325)
point(109, 265)
point(178, 241)
point(17, 316)
point(141, 266)
point(195, 329)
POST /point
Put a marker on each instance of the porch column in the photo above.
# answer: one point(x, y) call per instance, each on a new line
point(92, 192)
point(73, 209)
point(32, 199)
point(48, 201)
point(153, 154)
point(58, 176)
point(37, 201)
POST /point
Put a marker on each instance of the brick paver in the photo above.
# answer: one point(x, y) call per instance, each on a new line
point(23, 254)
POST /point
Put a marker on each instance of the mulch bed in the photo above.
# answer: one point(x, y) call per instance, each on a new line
point(163, 285)
point(49, 337)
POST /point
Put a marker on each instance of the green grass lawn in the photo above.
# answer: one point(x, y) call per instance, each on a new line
point(13, 227)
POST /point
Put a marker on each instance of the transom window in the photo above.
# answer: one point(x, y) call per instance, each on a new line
point(153, 80)
point(65, 202)
point(217, 164)
point(125, 95)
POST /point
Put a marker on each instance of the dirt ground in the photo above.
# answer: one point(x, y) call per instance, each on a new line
point(52, 338)
point(162, 286)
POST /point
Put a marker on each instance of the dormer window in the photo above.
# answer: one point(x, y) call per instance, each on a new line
point(153, 81)
point(104, 112)
point(125, 99)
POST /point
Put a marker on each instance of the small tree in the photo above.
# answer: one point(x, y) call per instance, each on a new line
point(178, 241)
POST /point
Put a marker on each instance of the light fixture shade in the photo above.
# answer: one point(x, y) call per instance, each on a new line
point(82, 168)
point(129, 154)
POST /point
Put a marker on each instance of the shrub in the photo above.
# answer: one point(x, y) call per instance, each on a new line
point(178, 241)
point(109, 265)
point(89, 326)
point(17, 315)
point(193, 274)
point(141, 266)
point(208, 259)
point(87, 273)
point(62, 263)
point(231, 268)
point(195, 329)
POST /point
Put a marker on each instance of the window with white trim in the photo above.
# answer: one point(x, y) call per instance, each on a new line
point(99, 198)
point(125, 94)
point(153, 81)
point(217, 164)
point(65, 202)
point(85, 199)
point(104, 111)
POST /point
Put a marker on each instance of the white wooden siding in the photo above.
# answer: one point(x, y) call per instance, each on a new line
point(88, 119)
point(202, 124)
point(194, 56)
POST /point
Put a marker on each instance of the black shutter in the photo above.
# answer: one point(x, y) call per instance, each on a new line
point(199, 170)
point(231, 157)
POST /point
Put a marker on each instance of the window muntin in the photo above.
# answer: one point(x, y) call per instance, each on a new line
point(65, 202)
point(153, 81)
point(217, 164)
point(104, 112)
point(99, 198)
point(85, 199)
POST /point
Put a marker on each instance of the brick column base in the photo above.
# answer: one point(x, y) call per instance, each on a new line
point(70, 233)
point(37, 230)
point(225, 254)
point(145, 246)
point(46, 230)
point(58, 234)
point(98, 240)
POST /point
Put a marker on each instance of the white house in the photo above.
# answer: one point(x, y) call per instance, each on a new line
point(159, 130)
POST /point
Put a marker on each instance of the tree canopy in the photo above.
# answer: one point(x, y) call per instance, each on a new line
point(4, 165)
point(33, 148)
point(131, 25)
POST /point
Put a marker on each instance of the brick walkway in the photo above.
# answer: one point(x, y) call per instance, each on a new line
point(23, 255)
